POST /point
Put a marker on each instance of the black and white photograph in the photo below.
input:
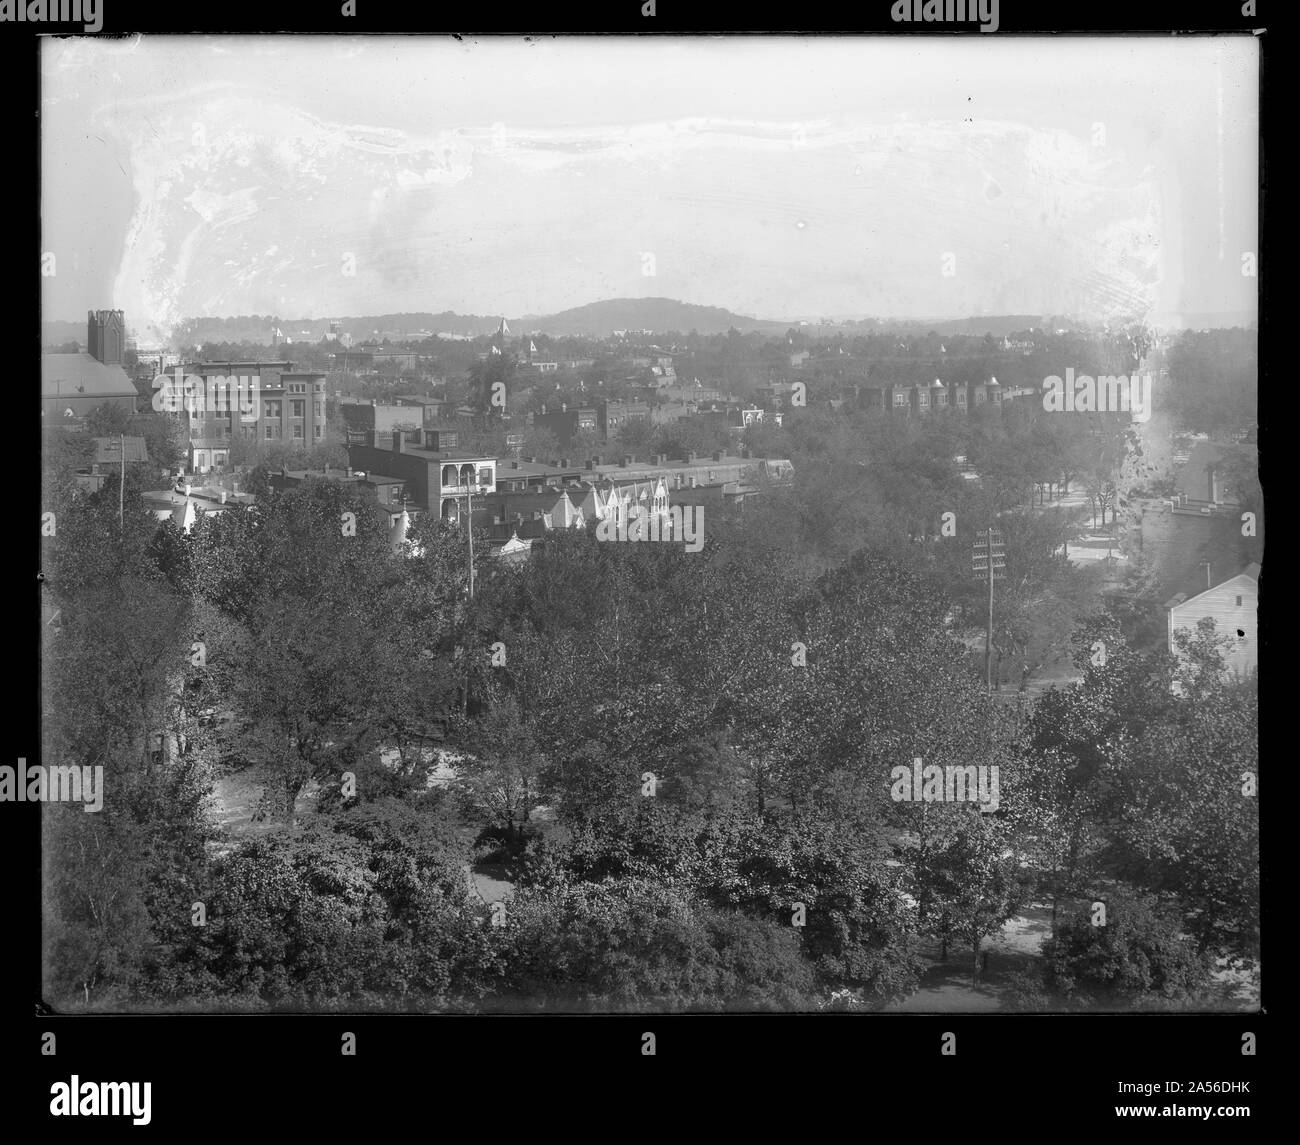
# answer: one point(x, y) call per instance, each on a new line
point(590, 525)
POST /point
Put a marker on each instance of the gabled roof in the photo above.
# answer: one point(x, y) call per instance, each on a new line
point(1194, 592)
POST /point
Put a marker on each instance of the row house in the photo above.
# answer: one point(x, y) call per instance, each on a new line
point(535, 512)
point(520, 475)
point(687, 472)
point(920, 398)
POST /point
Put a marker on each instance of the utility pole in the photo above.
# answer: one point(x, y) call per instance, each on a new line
point(989, 557)
point(121, 483)
point(469, 528)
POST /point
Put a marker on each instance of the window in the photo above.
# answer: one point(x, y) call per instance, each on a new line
point(317, 408)
point(1238, 602)
point(271, 409)
point(269, 431)
point(297, 432)
point(299, 408)
point(318, 431)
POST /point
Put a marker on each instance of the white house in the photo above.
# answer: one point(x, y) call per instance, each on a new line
point(1232, 604)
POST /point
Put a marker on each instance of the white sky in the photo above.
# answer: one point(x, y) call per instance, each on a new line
point(779, 177)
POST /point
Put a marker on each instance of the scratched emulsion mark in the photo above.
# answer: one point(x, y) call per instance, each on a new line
point(255, 194)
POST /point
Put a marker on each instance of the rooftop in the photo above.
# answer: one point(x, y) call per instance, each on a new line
point(1195, 585)
point(110, 449)
point(80, 375)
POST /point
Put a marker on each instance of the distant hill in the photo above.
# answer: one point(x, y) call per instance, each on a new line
point(597, 320)
point(660, 315)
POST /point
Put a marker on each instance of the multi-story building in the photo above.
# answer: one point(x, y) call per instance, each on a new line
point(361, 417)
point(432, 408)
point(566, 423)
point(437, 480)
point(612, 414)
point(257, 401)
point(389, 493)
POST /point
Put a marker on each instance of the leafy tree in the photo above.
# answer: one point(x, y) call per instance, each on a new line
point(1136, 960)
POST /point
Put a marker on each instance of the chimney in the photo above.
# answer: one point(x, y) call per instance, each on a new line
point(372, 438)
point(627, 460)
point(223, 496)
point(543, 408)
point(677, 480)
point(693, 480)
point(717, 456)
point(398, 444)
point(661, 459)
point(531, 460)
point(349, 471)
point(514, 465)
point(744, 453)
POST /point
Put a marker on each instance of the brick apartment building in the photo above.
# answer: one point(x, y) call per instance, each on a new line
point(289, 408)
